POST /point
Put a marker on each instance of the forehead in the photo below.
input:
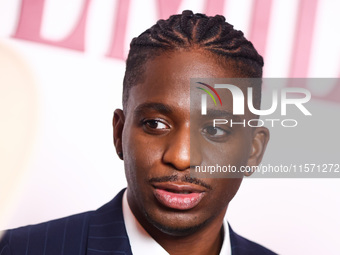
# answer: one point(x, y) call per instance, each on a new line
point(167, 77)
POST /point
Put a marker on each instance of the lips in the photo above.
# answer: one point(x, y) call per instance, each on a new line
point(178, 195)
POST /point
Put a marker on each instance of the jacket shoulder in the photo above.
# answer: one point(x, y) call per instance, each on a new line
point(4, 247)
point(241, 245)
point(66, 235)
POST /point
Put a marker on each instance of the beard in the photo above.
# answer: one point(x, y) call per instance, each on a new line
point(175, 230)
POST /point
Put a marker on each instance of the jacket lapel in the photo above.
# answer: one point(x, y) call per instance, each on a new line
point(234, 242)
point(107, 233)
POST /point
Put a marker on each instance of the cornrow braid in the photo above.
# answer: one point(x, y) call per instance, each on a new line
point(186, 31)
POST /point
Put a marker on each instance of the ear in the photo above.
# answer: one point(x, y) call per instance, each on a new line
point(118, 125)
point(260, 140)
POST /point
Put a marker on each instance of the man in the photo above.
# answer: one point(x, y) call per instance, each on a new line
point(165, 210)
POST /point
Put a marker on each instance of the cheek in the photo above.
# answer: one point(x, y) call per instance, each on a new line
point(232, 187)
point(141, 154)
point(235, 151)
point(226, 154)
point(227, 188)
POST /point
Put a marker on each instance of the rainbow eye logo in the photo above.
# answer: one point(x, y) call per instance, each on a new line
point(209, 93)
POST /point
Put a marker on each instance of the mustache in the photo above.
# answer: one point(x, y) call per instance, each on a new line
point(185, 178)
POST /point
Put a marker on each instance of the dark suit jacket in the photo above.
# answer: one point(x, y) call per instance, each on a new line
point(100, 232)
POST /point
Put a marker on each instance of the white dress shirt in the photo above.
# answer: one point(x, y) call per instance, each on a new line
point(143, 244)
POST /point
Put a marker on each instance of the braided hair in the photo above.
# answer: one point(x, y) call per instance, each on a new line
point(187, 31)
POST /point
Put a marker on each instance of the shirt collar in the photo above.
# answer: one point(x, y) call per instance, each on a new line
point(143, 244)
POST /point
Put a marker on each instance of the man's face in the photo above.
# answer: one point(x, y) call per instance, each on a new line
point(154, 135)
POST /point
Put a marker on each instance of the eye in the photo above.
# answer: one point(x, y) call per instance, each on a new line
point(215, 133)
point(155, 124)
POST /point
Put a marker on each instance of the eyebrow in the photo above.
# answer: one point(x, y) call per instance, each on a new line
point(167, 110)
point(158, 107)
point(214, 113)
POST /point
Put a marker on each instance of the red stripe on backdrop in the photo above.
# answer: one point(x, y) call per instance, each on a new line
point(29, 26)
point(260, 24)
point(167, 8)
point(303, 38)
point(118, 37)
point(334, 95)
point(213, 7)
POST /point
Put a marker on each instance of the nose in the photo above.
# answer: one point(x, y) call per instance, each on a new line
point(178, 153)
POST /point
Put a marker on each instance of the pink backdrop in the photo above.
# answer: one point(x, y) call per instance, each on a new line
point(61, 70)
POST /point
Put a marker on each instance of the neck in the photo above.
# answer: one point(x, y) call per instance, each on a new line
point(203, 242)
point(206, 241)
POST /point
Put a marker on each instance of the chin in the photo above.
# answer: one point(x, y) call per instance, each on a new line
point(176, 227)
